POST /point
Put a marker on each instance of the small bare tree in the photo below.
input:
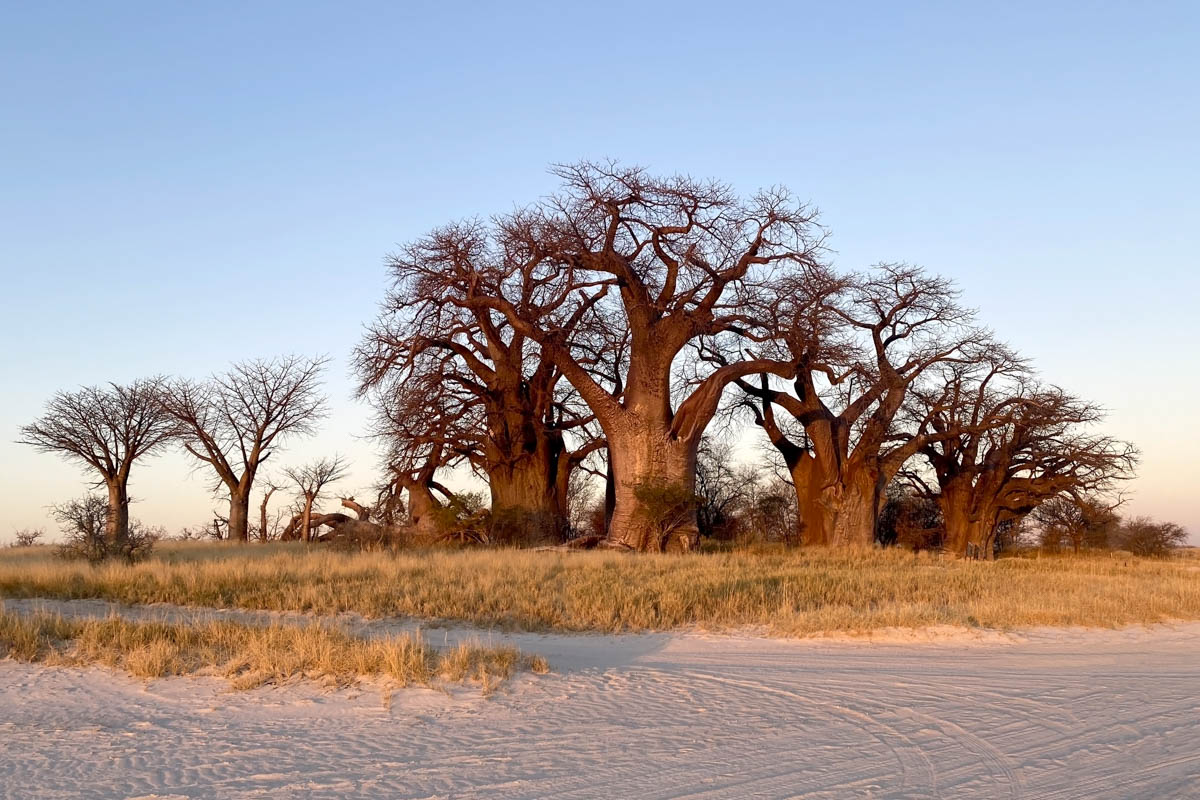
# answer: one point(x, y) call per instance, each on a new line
point(106, 429)
point(720, 487)
point(310, 480)
point(265, 532)
point(27, 537)
point(235, 420)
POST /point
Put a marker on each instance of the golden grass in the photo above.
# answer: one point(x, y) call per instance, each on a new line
point(250, 656)
point(784, 592)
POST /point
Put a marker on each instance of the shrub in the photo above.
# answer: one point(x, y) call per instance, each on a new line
point(1143, 536)
point(910, 521)
point(514, 526)
point(83, 522)
point(668, 507)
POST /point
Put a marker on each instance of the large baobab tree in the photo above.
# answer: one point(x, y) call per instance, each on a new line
point(1009, 445)
point(663, 261)
point(859, 344)
point(427, 358)
point(105, 429)
point(235, 420)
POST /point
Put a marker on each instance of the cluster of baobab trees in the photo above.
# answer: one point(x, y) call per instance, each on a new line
point(230, 424)
point(616, 320)
point(606, 329)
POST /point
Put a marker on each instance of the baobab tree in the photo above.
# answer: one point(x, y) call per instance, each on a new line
point(1009, 445)
point(310, 481)
point(235, 420)
point(664, 261)
point(511, 419)
point(106, 429)
point(425, 432)
point(859, 343)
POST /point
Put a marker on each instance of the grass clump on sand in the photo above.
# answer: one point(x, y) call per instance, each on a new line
point(787, 592)
point(250, 656)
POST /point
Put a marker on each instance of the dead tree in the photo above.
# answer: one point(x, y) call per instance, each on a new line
point(105, 429)
point(310, 480)
point(269, 488)
point(859, 344)
point(234, 421)
point(363, 512)
point(666, 260)
point(1010, 445)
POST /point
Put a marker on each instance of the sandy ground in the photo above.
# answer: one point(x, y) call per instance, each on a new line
point(1046, 714)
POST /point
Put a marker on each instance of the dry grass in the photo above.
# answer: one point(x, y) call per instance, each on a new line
point(784, 592)
point(250, 656)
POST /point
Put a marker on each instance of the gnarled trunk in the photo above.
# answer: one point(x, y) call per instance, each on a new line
point(422, 510)
point(526, 507)
point(116, 525)
point(968, 526)
point(956, 520)
point(654, 490)
point(833, 510)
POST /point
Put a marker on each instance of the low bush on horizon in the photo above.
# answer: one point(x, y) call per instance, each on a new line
point(249, 656)
point(785, 592)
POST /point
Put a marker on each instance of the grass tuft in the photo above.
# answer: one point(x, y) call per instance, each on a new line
point(250, 656)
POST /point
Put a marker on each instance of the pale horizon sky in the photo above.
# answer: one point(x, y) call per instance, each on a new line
point(184, 186)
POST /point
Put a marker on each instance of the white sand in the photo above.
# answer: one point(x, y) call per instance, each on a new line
point(1047, 714)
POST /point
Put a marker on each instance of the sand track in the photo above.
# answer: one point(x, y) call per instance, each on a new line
point(1049, 714)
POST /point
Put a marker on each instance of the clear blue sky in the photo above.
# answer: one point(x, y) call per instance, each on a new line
point(187, 184)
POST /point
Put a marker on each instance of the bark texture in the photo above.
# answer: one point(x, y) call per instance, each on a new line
point(116, 525)
point(239, 516)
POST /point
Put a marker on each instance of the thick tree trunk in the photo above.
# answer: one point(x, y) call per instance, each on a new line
point(239, 516)
point(526, 507)
point(116, 526)
point(836, 511)
point(610, 494)
point(422, 510)
point(957, 524)
point(984, 539)
point(654, 488)
point(968, 527)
